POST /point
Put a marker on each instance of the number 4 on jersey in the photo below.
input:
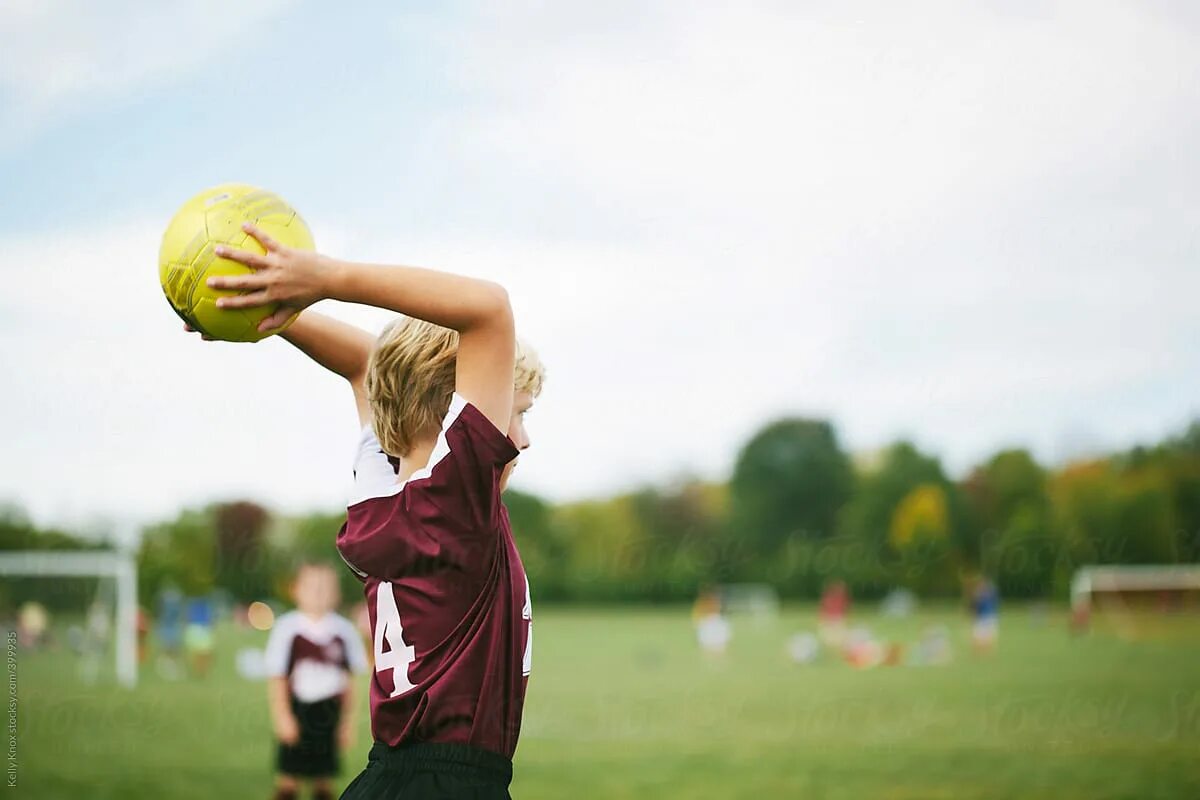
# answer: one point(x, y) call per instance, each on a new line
point(388, 628)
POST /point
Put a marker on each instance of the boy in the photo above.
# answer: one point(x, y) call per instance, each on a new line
point(832, 613)
point(442, 400)
point(170, 633)
point(712, 629)
point(985, 613)
point(309, 656)
point(198, 636)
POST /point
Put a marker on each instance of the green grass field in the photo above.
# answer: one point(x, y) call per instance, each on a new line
point(621, 705)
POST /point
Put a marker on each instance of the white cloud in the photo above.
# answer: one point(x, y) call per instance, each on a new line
point(974, 228)
point(62, 57)
point(970, 225)
point(770, 119)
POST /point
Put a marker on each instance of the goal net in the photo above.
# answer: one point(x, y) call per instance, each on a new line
point(109, 619)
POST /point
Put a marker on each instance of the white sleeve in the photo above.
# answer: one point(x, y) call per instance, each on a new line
point(374, 475)
point(356, 654)
point(279, 647)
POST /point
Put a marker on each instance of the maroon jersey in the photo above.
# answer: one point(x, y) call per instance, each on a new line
point(315, 655)
point(445, 588)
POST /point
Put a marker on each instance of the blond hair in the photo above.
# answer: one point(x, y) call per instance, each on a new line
point(410, 380)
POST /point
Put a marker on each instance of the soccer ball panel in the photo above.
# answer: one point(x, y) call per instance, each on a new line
point(231, 325)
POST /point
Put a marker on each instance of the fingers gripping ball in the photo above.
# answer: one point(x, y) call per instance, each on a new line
point(186, 259)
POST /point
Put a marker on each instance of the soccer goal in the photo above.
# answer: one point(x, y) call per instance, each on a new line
point(1128, 588)
point(81, 564)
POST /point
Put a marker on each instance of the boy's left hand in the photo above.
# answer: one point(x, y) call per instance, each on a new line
point(295, 279)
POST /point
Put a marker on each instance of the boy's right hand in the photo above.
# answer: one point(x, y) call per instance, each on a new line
point(287, 729)
point(294, 279)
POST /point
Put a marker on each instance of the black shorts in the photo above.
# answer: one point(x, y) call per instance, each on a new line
point(431, 771)
point(316, 754)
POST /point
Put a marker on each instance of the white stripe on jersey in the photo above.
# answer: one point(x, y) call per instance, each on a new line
point(373, 473)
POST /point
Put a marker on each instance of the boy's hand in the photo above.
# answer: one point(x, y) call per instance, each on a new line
point(203, 336)
point(287, 729)
point(345, 735)
point(294, 279)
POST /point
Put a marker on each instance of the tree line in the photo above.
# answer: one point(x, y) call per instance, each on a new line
point(797, 512)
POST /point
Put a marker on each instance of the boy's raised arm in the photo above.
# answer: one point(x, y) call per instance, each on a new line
point(335, 345)
point(478, 310)
point(338, 347)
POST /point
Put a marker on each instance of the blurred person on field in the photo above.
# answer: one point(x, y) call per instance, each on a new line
point(94, 641)
point(861, 649)
point(143, 633)
point(933, 648)
point(832, 612)
point(712, 629)
point(33, 620)
point(985, 615)
point(170, 633)
point(198, 635)
point(310, 655)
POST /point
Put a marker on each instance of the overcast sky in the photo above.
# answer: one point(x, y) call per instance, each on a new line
point(974, 225)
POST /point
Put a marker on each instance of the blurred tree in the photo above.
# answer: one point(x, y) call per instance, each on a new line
point(928, 560)
point(882, 487)
point(1012, 479)
point(1084, 499)
point(900, 521)
point(922, 516)
point(1176, 462)
point(544, 551)
point(312, 537)
point(606, 546)
point(182, 551)
point(1028, 559)
point(1184, 484)
point(1010, 508)
point(920, 534)
point(242, 559)
point(684, 539)
point(1116, 515)
point(18, 532)
point(1146, 518)
point(791, 477)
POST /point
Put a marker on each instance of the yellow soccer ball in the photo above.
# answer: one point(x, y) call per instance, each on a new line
point(186, 259)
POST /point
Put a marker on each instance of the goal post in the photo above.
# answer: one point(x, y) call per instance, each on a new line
point(119, 566)
point(1126, 582)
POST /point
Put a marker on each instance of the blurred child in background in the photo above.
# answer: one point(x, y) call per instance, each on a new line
point(310, 655)
point(831, 616)
point(198, 635)
point(170, 633)
point(143, 634)
point(712, 629)
point(985, 612)
point(33, 624)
